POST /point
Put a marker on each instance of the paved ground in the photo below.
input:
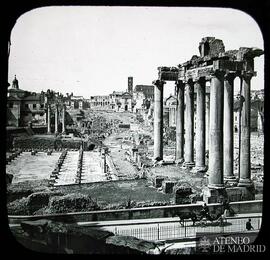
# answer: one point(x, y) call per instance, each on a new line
point(27, 167)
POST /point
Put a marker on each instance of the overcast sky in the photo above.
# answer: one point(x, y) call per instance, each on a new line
point(93, 50)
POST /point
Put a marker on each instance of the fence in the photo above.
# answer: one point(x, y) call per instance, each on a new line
point(171, 229)
point(254, 206)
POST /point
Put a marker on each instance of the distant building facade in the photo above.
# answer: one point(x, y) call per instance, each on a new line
point(24, 107)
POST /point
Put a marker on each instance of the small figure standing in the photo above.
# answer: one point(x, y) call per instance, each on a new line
point(249, 226)
point(205, 210)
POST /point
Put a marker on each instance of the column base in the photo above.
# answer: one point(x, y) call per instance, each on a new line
point(197, 169)
point(179, 161)
point(245, 183)
point(231, 180)
point(241, 193)
point(188, 165)
point(214, 195)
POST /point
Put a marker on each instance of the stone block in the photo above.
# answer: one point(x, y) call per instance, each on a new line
point(158, 181)
point(182, 194)
point(240, 193)
point(214, 195)
point(167, 186)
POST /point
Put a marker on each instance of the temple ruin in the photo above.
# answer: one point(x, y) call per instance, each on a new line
point(220, 68)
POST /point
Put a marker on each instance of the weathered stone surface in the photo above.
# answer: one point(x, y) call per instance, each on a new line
point(18, 207)
point(158, 181)
point(71, 203)
point(182, 194)
point(131, 243)
point(167, 186)
point(210, 46)
point(34, 228)
point(181, 251)
point(39, 200)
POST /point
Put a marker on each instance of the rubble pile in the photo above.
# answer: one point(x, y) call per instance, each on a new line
point(33, 142)
point(49, 236)
point(43, 143)
point(71, 203)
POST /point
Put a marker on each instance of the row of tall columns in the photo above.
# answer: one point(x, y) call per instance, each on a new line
point(217, 132)
point(189, 124)
point(48, 121)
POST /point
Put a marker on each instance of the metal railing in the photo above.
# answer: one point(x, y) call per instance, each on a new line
point(171, 229)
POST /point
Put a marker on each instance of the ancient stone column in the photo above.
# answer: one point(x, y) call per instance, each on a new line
point(179, 156)
point(158, 120)
point(63, 119)
point(216, 132)
point(56, 119)
point(49, 119)
point(228, 127)
point(245, 133)
point(207, 120)
point(200, 126)
point(189, 125)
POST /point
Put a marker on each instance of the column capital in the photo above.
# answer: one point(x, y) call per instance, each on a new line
point(158, 82)
point(200, 80)
point(179, 82)
point(189, 81)
point(248, 74)
point(217, 73)
point(229, 76)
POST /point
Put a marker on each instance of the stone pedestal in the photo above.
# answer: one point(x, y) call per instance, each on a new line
point(212, 195)
point(167, 186)
point(158, 180)
point(240, 193)
point(182, 195)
